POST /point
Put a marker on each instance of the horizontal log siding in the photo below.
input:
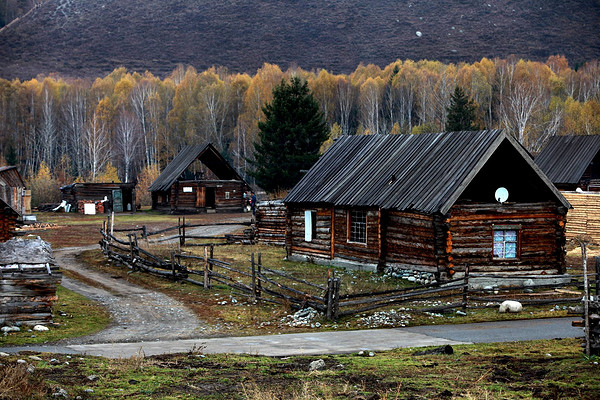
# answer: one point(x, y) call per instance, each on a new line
point(235, 203)
point(320, 246)
point(181, 200)
point(368, 252)
point(410, 240)
point(469, 237)
point(8, 225)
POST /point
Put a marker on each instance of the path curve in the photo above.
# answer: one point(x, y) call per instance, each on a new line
point(138, 314)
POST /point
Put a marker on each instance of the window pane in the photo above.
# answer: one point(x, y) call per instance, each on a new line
point(510, 236)
point(498, 236)
point(358, 226)
point(499, 250)
point(510, 250)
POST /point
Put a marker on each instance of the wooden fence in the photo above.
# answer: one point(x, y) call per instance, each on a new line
point(260, 283)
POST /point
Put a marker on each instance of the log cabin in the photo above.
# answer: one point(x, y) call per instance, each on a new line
point(428, 203)
point(12, 189)
point(120, 196)
point(572, 162)
point(199, 179)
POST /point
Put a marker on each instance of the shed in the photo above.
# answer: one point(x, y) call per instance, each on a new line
point(120, 196)
point(12, 189)
point(427, 203)
point(199, 179)
point(29, 278)
point(572, 161)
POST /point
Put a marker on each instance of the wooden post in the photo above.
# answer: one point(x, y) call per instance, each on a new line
point(131, 254)
point(336, 298)
point(252, 267)
point(144, 232)
point(179, 229)
point(258, 282)
point(112, 224)
point(183, 231)
point(466, 289)
point(597, 277)
point(173, 264)
point(206, 272)
point(586, 297)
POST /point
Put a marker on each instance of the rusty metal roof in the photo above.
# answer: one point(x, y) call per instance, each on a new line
point(565, 158)
point(425, 173)
point(10, 175)
point(207, 154)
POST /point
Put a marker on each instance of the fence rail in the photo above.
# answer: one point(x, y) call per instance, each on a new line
point(260, 283)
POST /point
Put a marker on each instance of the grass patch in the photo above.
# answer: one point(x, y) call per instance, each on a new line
point(73, 315)
point(547, 369)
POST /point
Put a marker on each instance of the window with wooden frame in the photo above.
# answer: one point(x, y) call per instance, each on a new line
point(357, 226)
point(506, 241)
point(310, 225)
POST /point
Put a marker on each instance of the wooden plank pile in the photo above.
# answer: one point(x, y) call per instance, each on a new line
point(271, 223)
point(29, 277)
point(584, 218)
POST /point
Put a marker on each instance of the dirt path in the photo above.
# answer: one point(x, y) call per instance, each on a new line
point(138, 314)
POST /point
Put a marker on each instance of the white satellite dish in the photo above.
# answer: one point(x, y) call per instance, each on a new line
point(501, 195)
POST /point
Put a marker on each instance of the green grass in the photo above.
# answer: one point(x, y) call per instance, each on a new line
point(547, 369)
point(83, 317)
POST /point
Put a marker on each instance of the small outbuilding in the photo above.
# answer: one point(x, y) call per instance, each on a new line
point(199, 179)
point(12, 189)
point(120, 197)
point(432, 203)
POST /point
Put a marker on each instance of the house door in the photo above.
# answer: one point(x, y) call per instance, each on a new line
point(200, 193)
point(117, 196)
point(209, 197)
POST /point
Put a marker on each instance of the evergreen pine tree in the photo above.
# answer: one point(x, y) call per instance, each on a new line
point(461, 113)
point(290, 136)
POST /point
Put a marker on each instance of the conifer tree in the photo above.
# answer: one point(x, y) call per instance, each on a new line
point(461, 113)
point(290, 136)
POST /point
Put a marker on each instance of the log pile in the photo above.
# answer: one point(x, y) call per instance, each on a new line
point(584, 217)
point(594, 321)
point(8, 225)
point(270, 223)
point(29, 277)
point(99, 206)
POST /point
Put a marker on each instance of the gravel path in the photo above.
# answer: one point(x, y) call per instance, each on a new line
point(138, 314)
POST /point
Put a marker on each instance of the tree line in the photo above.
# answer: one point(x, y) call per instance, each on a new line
point(79, 128)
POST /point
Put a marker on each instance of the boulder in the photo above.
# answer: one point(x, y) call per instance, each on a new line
point(316, 365)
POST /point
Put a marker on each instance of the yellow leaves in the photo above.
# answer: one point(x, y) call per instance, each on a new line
point(109, 176)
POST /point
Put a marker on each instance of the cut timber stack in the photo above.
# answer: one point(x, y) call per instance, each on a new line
point(270, 223)
point(584, 217)
point(28, 281)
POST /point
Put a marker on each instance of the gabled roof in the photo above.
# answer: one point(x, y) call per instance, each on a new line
point(426, 172)
point(7, 208)
point(207, 154)
point(11, 176)
point(565, 158)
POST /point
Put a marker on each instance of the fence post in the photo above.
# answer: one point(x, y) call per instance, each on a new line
point(206, 273)
point(179, 230)
point(329, 297)
point(144, 232)
point(131, 256)
point(173, 264)
point(465, 289)
point(336, 298)
point(253, 269)
point(597, 277)
point(183, 231)
point(258, 281)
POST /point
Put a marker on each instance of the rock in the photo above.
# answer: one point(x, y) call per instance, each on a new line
point(510, 306)
point(459, 312)
point(418, 33)
point(35, 358)
point(61, 393)
point(7, 329)
point(54, 361)
point(361, 353)
point(92, 378)
point(30, 369)
point(529, 283)
point(447, 349)
point(19, 361)
point(40, 328)
point(371, 354)
point(316, 365)
point(3, 354)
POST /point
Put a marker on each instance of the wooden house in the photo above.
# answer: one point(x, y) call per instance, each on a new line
point(199, 179)
point(428, 203)
point(120, 196)
point(12, 189)
point(572, 162)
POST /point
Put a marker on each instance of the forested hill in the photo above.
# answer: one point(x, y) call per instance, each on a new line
point(92, 37)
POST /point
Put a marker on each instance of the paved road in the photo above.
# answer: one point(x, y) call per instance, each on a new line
point(336, 342)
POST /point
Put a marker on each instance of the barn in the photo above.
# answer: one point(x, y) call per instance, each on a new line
point(120, 196)
point(429, 203)
point(199, 179)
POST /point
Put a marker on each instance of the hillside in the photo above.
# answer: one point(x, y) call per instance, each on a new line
point(92, 37)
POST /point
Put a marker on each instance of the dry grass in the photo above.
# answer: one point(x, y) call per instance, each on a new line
point(17, 383)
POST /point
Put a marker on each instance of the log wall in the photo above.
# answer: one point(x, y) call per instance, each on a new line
point(27, 292)
point(228, 196)
point(271, 223)
point(8, 225)
point(584, 218)
point(369, 252)
point(320, 245)
point(410, 240)
point(541, 248)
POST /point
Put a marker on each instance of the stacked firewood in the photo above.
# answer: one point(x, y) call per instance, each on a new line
point(99, 206)
point(270, 223)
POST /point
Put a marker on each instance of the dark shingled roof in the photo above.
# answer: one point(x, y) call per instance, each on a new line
point(426, 172)
point(207, 154)
point(565, 158)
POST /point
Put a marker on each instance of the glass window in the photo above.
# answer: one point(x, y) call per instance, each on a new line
point(505, 243)
point(357, 230)
point(310, 225)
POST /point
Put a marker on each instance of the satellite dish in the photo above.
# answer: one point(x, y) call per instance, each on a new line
point(501, 195)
